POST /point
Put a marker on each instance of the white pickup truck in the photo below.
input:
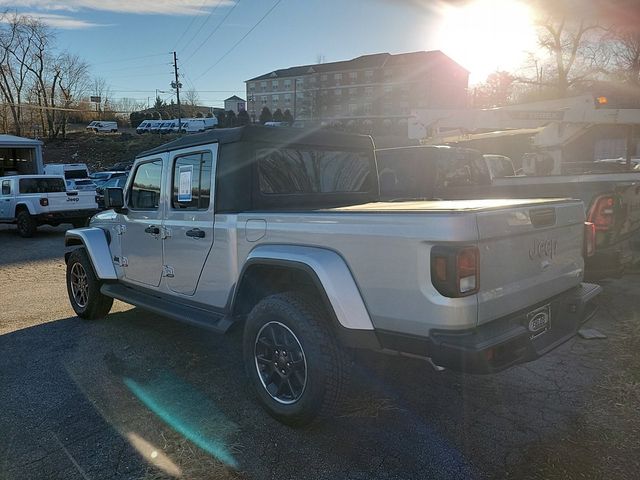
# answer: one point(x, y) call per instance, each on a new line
point(32, 200)
point(281, 231)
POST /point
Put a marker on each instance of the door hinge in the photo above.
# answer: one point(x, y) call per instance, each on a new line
point(167, 271)
point(120, 229)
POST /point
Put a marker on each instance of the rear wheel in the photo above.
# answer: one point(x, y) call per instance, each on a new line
point(83, 288)
point(26, 224)
point(293, 359)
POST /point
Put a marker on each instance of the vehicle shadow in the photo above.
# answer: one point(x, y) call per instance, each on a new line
point(139, 395)
point(48, 243)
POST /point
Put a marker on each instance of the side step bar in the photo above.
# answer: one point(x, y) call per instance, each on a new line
point(198, 317)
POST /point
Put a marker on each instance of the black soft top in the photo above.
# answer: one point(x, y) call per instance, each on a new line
point(273, 135)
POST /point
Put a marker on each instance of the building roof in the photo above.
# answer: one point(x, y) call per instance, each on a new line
point(376, 60)
point(13, 141)
point(274, 135)
point(234, 98)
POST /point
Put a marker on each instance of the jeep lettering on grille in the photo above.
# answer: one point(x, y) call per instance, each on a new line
point(543, 248)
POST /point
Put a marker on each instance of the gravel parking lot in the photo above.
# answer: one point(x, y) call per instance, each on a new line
point(139, 396)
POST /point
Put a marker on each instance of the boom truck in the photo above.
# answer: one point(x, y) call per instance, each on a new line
point(611, 198)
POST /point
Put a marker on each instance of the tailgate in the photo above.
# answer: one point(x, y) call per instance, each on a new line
point(528, 254)
point(60, 202)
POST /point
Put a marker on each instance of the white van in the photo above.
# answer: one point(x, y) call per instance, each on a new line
point(193, 125)
point(144, 126)
point(100, 126)
point(70, 171)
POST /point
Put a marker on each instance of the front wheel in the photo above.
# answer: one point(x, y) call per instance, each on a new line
point(83, 288)
point(293, 358)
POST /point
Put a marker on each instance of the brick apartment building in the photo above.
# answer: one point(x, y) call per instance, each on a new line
point(379, 89)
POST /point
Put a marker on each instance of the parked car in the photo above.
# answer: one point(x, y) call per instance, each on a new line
point(70, 171)
point(81, 185)
point(170, 126)
point(310, 263)
point(611, 200)
point(102, 126)
point(99, 178)
point(117, 181)
point(500, 166)
point(29, 201)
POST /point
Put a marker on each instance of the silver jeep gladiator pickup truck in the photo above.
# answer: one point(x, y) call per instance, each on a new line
point(281, 230)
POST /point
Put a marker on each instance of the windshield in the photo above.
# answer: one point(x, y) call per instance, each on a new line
point(76, 174)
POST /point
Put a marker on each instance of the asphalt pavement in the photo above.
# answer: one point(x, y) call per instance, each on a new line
point(138, 396)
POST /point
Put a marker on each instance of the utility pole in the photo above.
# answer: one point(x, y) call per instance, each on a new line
point(177, 87)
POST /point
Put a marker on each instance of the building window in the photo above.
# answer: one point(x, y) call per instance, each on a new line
point(353, 91)
point(337, 108)
point(264, 100)
point(368, 91)
point(263, 86)
point(338, 92)
point(353, 76)
point(287, 99)
point(368, 108)
point(287, 84)
point(387, 108)
point(388, 89)
point(274, 84)
point(368, 75)
point(353, 109)
point(313, 79)
point(388, 73)
point(337, 76)
point(274, 99)
point(252, 87)
point(324, 108)
point(299, 81)
point(323, 77)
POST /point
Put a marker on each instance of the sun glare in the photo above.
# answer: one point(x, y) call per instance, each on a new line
point(487, 35)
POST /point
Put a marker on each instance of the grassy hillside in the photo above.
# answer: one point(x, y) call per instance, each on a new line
point(100, 151)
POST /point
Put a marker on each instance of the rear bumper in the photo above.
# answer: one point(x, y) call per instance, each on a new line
point(66, 215)
point(504, 342)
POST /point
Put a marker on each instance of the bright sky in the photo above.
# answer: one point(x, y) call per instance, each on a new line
point(128, 42)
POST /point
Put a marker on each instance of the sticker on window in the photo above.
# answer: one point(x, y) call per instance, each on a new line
point(186, 182)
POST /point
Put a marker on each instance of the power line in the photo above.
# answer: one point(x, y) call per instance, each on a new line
point(203, 24)
point(241, 39)
point(213, 31)
point(193, 19)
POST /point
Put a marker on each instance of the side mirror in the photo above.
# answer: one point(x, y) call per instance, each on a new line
point(114, 198)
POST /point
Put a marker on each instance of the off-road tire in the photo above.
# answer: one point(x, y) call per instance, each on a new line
point(26, 224)
point(96, 305)
point(326, 364)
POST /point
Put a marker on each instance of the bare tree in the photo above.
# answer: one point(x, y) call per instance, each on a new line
point(16, 42)
point(191, 97)
point(73, 83)
point(624, 47)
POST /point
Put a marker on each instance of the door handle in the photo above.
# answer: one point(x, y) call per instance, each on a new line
point(152, 229)
point(195, 233)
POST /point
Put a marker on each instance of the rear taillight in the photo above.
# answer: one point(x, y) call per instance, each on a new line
point(44, 202)
point(601, 212)
point(455, 270)
point(589, 239)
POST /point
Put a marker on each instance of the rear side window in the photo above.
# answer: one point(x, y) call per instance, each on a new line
point(192, 182)
point(459, 168)
point(42, 185)
point(308, 171)
point(145, 189)
point(6, 187)
point(73, 174)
